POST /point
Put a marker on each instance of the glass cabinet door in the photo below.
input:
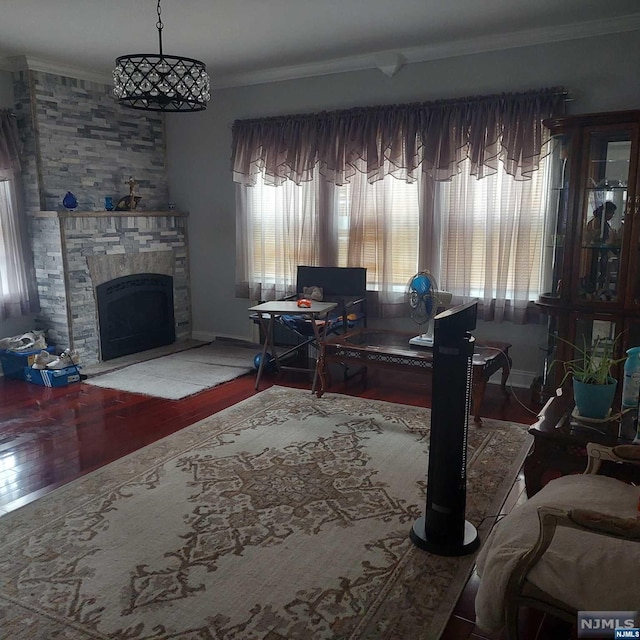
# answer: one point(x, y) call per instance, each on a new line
point(632, 299)
point(606, 168)
point(591, 263)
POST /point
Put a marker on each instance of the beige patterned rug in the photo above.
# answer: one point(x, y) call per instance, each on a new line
point(283, 517)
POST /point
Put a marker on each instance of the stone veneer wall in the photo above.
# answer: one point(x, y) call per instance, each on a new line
point(77, 138)
point(76, 252)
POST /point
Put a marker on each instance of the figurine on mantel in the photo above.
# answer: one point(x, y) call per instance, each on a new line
point(130, 202)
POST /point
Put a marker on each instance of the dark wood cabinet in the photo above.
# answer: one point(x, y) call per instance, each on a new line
point(560, 445)
point(591, 247)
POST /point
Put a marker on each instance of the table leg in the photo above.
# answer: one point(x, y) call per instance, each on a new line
point(322, 371)
point(478, 388)
point(267, 328)
point(506, 370)
point(320, 336)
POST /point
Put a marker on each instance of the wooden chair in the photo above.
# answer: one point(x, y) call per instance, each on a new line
point(519, 568)
point(345, 285)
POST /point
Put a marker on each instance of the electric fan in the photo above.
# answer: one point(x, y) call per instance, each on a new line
point(424, 302)
point(443, 529)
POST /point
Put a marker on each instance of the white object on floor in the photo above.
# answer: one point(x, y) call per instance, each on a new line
point(43, 359)
point(66, 359)
point(29, 341)
point(181, 374)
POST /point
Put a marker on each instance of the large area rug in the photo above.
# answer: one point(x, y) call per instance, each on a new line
point(283, 517)
point(181, 374)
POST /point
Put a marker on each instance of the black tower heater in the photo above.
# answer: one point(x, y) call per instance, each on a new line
point(443, 530)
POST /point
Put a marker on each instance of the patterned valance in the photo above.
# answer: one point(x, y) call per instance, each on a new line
point(398, 139)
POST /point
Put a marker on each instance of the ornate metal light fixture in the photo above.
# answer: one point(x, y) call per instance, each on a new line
point(161, 83)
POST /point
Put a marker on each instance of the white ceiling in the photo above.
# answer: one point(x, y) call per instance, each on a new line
point(247, 41)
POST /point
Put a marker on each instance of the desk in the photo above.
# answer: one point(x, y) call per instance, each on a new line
point(391, 350)
point(267, 312)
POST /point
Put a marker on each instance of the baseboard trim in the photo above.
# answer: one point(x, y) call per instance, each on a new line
point(517, 378)
point(207, 336)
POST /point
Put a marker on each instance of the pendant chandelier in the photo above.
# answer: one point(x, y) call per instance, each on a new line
point(161, 83)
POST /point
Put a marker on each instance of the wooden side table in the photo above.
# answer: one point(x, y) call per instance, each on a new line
point(391, 350)
point(559, 446)
point(488, 358)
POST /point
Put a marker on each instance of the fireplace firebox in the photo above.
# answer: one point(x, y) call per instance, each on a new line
point(135, 313)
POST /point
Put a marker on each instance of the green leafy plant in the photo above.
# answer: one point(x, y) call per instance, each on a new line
point(594, 362)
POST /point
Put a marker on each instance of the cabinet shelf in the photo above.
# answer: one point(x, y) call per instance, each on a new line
point(607, 188)
point(592, 285)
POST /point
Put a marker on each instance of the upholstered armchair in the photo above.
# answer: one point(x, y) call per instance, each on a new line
point(574, 546)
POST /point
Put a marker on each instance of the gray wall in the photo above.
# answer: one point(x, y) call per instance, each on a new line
point(77, 138)
point(601, 75)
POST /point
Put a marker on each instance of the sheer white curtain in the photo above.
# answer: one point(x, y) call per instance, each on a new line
point(378, 229)
point(17, 288)
point(319, 223)
point(279, 228)
point(480, 238)
point(491, 233)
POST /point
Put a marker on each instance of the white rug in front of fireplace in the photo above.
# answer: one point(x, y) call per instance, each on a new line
point(181, 374)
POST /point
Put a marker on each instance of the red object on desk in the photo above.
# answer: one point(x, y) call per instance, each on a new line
point(303, 302)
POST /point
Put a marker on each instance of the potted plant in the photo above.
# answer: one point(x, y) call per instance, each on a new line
point(594, 387)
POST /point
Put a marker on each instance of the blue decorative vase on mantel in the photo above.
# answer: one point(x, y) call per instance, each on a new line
point(70, 201)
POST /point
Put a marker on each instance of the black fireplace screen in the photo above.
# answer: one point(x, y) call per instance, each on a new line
point(135, 313)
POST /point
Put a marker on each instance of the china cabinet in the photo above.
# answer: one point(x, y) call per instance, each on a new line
point(591, 252)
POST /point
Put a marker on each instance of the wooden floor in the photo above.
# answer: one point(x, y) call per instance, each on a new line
point(49, 436)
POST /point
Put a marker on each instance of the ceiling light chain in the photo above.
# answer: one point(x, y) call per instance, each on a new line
point(161, 83)
point(159, 26)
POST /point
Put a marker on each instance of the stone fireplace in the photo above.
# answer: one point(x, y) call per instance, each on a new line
point(135, 313)
point(75, 253)
point(77, 138)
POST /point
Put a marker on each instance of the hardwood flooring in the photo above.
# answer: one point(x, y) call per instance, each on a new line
point(50, 436)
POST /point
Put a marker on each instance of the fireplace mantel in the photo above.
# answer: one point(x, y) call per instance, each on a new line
point(75, 251)
point(136, 213)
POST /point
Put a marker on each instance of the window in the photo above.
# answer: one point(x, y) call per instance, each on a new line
point(489, 240)
point(359, 224)
point(283, 229)
point(14, 289)
point(454, 186)
point(492, 231)
point(377, 228)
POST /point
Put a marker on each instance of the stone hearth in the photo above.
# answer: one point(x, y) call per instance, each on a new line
point(74, 252)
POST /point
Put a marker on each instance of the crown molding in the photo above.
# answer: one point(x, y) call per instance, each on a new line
point(388, 62)
point(439, 51)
